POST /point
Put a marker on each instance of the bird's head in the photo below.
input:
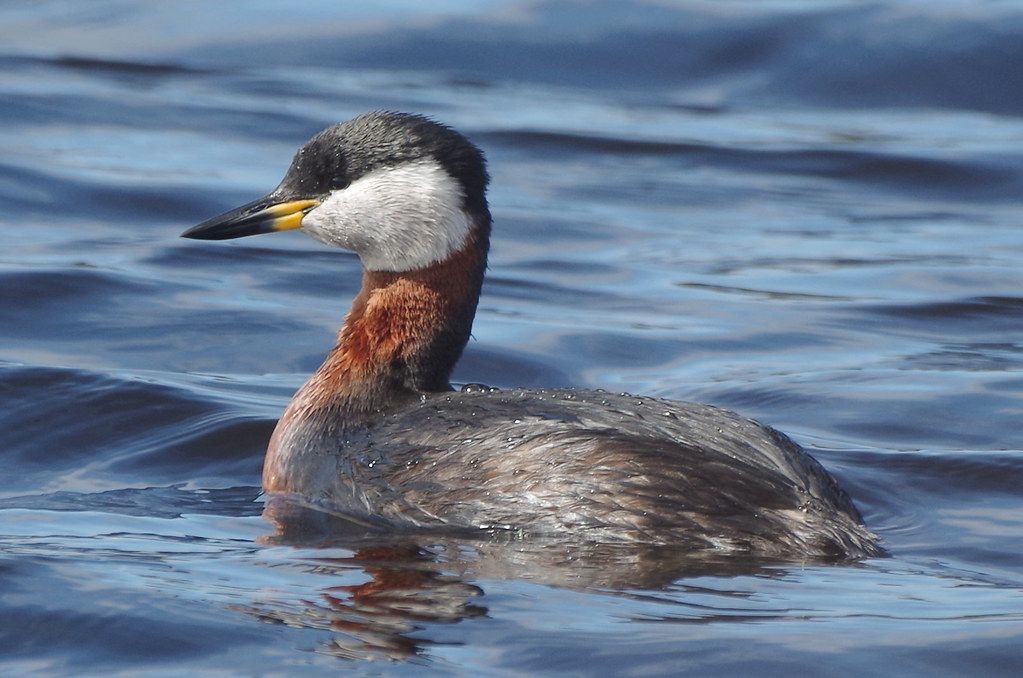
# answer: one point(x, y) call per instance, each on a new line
point(400, 190)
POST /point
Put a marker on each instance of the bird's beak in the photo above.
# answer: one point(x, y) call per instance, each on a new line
point(265, 215)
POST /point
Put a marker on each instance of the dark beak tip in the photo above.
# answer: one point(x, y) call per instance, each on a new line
point(224, 227)
point(195, 233)
point(204, 231)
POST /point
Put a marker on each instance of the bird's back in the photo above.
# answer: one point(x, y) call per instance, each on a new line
point(586, 465)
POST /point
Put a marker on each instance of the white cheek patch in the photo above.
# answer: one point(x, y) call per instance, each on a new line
point(395, 218)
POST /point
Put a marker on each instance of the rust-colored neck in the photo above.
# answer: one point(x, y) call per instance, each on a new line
point(403, 335)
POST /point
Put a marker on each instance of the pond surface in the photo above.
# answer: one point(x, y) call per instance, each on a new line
point(809, 214)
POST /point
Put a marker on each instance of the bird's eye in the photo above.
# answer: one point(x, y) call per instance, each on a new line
point(337, 183)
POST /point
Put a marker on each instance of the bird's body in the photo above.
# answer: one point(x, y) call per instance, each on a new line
point(597, 466)
point(378, 432)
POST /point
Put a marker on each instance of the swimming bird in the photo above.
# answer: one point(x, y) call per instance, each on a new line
point(378, 431)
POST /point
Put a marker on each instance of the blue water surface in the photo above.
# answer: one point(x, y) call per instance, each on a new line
point(805, 212)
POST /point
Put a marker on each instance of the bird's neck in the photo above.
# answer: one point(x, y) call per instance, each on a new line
point(402, 337)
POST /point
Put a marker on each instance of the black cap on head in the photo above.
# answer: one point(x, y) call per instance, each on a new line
point(340, 154)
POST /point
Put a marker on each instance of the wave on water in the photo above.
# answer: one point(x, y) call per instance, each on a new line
point(73, 431)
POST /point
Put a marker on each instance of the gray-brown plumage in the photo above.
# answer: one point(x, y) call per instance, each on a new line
point(593, 465)
point(376, 433)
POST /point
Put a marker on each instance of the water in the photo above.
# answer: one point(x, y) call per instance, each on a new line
point(808, 213)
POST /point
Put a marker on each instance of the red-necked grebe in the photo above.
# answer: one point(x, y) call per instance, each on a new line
point(377, 430)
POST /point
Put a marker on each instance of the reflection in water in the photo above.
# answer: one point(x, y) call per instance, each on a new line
point(415, 579)
point(375, 619)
